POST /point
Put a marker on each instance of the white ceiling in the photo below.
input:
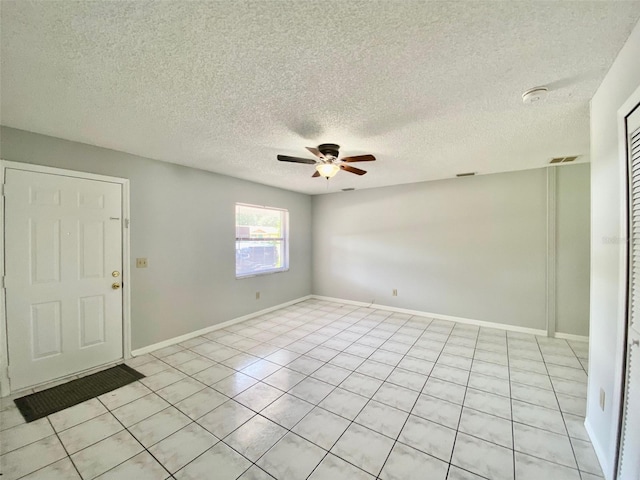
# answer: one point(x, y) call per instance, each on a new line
point(431, 88)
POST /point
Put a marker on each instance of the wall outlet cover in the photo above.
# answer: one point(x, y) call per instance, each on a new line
point(141, 263)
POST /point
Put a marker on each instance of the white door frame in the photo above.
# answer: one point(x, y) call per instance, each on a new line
point(621, 351)
point(126, 273)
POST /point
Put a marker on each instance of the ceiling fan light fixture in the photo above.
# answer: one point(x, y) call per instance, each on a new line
point(327, 170)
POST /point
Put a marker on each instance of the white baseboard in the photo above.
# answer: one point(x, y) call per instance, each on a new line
point(571, 336)
point(212, 328)
point(439, 316)
point(607, 469)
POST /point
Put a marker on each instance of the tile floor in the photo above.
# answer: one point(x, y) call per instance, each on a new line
point(326, 391)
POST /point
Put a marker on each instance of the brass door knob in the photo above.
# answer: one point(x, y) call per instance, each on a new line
point(115, 286)
point(115, 273)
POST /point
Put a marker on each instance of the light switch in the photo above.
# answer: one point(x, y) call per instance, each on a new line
point(141, 263)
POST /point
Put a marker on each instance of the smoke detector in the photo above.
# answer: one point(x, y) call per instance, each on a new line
point(535, 95)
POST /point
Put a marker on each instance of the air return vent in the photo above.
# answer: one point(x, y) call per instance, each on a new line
point(467, 174)
point(563, 159)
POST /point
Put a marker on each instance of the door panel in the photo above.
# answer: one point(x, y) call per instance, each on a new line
point(629, 455)
point(63, 238)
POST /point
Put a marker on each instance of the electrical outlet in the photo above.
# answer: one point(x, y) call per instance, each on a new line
point(257, 295)
point(602, 399)
point(395, 292)
point(141, 263)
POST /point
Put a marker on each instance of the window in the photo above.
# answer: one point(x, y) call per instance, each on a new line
point(262, 240)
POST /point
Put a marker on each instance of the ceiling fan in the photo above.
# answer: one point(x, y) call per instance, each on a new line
point(328, 163)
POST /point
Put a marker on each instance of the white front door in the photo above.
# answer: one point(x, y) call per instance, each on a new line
point(63, 273)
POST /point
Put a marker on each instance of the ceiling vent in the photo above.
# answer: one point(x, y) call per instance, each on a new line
point(563, 159)
point(468, 174)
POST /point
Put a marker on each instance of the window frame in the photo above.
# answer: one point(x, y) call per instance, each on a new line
point(284, 239)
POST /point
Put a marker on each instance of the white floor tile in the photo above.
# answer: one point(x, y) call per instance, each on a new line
point(258, 396)
point(532, 468)
point(287, 410)
point(396, 396)
point(223, 420)
point(361, 384)
point(141, 467)
point(177, 450)
point(539, 417)
point(312, 390)
point(457, 473)
point(89, 432)
point(159, 426)
point(77, 414)
point(429, 437)
point(586, 457)
point(139, 409)
point(225, 462)
point(406, 463)
point(124, 395)
point(255, 437)
point(451, 392)
point(543, 444)
point(488, 403)
point(292, 457)
point(10, 417)
point(483, 458)
point(60, 470)
point(201, 403)
point(284, 379)
point(487, 427)
point(382, 418)
point(321, 427)
point(255, 473)
point(438, 410)
point(31, 457)
point(363, 448)
point(334, 468)
point(338, 363)
point(24, 434)
point(344, 403)
point(234, 384)
point(106, 454)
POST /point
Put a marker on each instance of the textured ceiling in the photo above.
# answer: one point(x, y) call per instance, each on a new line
point(431, 88)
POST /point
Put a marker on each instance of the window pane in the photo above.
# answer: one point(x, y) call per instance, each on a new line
point(261, 240)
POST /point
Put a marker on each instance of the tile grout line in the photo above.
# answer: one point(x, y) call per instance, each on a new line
point(575, 458)
point(513, 431)
point(352, 421)
point(295, 339)
point(266, 406)
point(464, 397)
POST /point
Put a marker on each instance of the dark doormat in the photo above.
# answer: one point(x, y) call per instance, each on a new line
point(52, 400)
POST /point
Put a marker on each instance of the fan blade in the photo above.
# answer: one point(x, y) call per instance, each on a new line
point(316, 174)
point(316, 152)
point(286, 158)
point(357, 171)
point(359, 158)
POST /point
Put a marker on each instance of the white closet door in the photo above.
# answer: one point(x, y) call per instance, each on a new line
point(629, 466)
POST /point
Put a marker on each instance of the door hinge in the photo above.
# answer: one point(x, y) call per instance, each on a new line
point(126, 223)
point(1, 189)
point(2, 281)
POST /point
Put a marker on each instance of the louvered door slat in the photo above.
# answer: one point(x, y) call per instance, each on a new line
point(629, 461)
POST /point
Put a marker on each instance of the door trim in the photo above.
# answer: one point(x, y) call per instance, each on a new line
point(609, 459)
point(126, 263)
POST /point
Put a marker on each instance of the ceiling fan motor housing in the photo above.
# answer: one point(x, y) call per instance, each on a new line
point(329, 149)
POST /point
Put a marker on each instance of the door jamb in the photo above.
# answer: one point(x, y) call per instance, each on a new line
point(619, 386)
point(126, 254)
